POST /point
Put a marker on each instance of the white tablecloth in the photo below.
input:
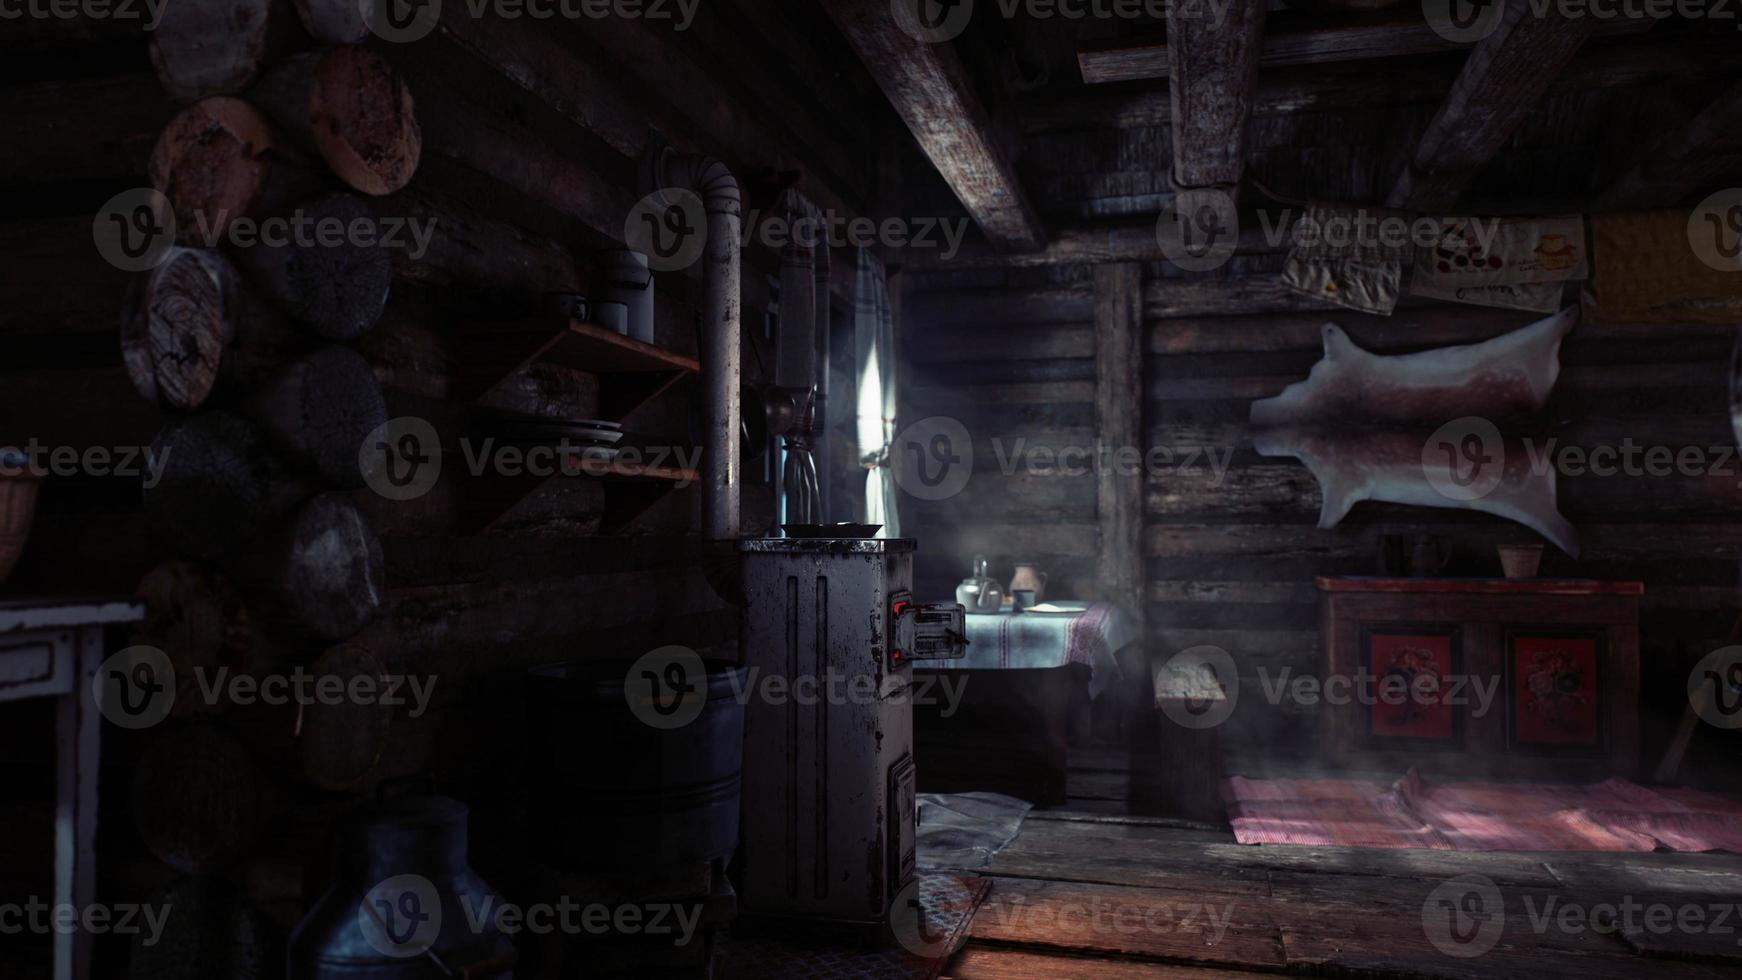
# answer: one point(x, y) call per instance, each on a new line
point(1028, 641)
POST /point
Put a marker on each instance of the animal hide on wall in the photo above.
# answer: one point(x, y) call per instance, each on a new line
point(1424, 428)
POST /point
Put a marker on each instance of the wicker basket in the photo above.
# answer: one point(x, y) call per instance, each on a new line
point(1520, 560)
point(17, 507)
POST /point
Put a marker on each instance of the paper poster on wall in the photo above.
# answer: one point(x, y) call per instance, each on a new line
point(1334, 260)
point(1499, 252)
point(1535, 297)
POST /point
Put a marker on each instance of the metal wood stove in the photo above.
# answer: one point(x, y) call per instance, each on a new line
point(830, 634)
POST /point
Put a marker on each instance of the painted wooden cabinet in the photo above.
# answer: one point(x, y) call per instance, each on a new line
point(1536, 678)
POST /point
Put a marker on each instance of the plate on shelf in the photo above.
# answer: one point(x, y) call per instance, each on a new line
point(593, 454)
point(556, 430)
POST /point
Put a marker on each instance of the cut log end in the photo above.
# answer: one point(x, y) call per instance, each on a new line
point(333, 21)
point(333, 575)
point(212, 161)
point(175, 326)
point(212, 929)
point(343, 743)
point(199, 799)
point(338, 291)
point(364, 120)
point(323, 408)
point(207, 48)
point(198, 619)
point(216, 485)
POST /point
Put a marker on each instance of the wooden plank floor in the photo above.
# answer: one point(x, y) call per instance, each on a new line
point(1089, 890)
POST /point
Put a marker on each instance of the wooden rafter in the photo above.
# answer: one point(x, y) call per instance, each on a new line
point(1094, 244)
point(1297, 38)
point(1354, 85)
point(1695, 158)
point(1507, 74)
point(932, 93)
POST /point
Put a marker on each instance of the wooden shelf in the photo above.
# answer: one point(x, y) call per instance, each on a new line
point(1478, 586)
point(630, 488)
point(631, 373)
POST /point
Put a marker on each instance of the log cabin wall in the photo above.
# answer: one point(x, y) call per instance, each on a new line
point(1014, 363)
point(1007, 343)
point(1229, 541)
point(531, 133)
point(1231, 556)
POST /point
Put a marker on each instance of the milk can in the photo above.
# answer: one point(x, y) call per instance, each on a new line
point(405, 905)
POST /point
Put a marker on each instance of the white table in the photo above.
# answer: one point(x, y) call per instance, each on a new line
point(51, 648)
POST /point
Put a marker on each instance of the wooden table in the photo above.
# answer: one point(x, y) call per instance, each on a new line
point(1010, 732)
point(1536, 678)
point(51, 649)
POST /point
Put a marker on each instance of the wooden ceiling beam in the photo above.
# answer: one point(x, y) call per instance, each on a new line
point(1299, 38)
point(933, 94)
point(1695, 158)
point(1332, 87)
point(1099, 244)
point(1213, 75)
point(1505, 77)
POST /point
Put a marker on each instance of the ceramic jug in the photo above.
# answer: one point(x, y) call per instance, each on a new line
point(1029, 577)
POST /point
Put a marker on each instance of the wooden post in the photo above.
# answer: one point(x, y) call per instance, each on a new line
point(1119, 425)
point(1119, 500)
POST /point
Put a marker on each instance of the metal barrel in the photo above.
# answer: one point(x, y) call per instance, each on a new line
point(614, 788)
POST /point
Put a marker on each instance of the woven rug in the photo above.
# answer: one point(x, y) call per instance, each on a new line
point(1615, 815)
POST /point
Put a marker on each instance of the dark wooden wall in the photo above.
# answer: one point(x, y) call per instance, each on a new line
point(1230, 555)
point(1231, 560)
point(1014, 362)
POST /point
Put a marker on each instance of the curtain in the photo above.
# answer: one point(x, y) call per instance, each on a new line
point(874, 339)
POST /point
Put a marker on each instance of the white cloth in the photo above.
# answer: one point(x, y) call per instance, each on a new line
point(1030, 641)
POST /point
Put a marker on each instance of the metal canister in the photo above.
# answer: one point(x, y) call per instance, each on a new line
point(610, 791)
point(405, 905)
point(624, 277)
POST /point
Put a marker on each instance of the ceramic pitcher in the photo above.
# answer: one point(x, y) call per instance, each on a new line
point(1029, 576)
